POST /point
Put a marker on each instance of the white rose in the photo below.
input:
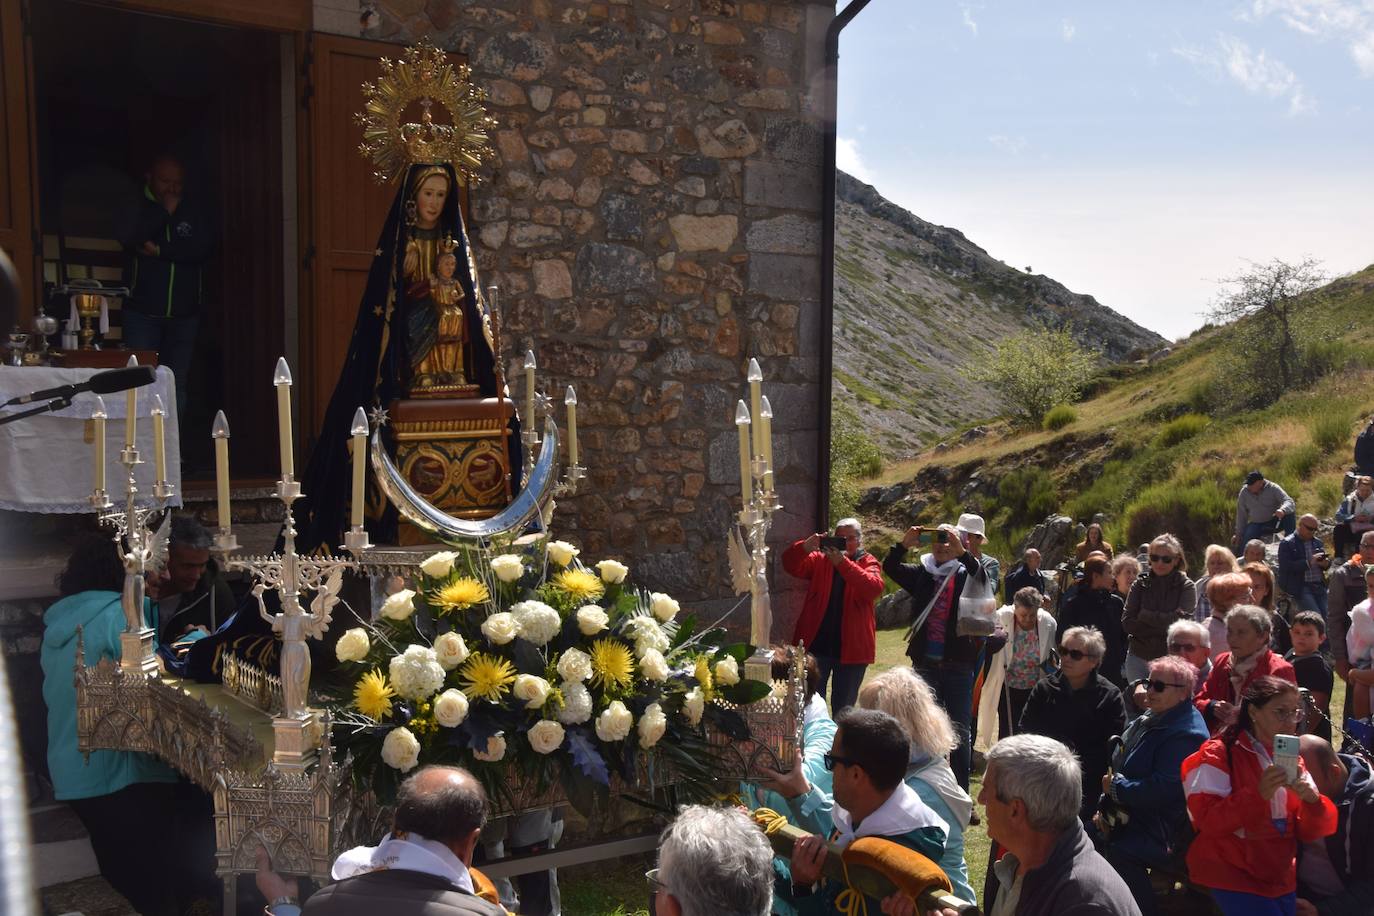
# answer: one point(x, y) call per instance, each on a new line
point(615, 722)
point(496, 749)
point(416, 673)
point(450, 649)
point(653, 666)
point(508, 567)
point(439, 565)
point(727, 671)
point(591, 619)
point(400, 605)
point(575, 665)
point(647, 634)
point(534, 690)
point(353, 646)
point(451, 708)
point(545, 736)
point(500, 628)
point(537, 621)
point(577, 703)
point(613, 572)
point(401, 750)
point(694, 704)
point(652, 725)
point(562, 553)
point(663, 607)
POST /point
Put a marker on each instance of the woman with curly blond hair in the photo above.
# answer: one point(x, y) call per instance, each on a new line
point(904, 695)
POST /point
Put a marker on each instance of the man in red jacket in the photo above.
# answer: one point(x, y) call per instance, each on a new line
point(836, 622)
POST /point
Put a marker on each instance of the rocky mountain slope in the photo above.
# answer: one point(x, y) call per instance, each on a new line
point(902, 289)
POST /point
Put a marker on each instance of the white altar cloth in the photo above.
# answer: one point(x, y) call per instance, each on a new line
point(46, 460)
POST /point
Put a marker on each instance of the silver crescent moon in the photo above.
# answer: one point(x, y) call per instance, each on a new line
point(527, 505)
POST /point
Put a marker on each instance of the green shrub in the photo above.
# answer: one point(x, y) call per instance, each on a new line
point(1106, 494)
point(853, 457)
point(1028, 495)
point(1301, 461)
point(1199, 514)
point(1201, 398)
point(1180, 429)
point(1331, 430)
point(1328, 495)
point(1059, 417)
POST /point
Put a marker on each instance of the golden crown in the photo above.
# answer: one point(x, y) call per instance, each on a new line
point(447, 245)
point(424, 75)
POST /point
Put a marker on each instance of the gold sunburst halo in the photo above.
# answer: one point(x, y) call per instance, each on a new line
point(372, 695)
point(459, 595)
point(486, 677)
point(424, 75)
point(613, 665)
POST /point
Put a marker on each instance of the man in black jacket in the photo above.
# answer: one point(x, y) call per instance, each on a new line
point(190, 593)
point(945, 659)
point(1336, 873)
point(168, 240)
point(1027, 573)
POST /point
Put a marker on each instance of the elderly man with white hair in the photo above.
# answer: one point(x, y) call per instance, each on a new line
point(836, 623)
point(712, 862)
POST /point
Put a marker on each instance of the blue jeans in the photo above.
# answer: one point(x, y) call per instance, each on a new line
point(1263, 529)
point(1313, 598)
point(174, 339)
point(953, 686)
point(1234, 903)
point(844, 681)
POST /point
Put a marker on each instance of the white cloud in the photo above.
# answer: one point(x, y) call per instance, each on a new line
point(1255, 71)
point(1067, 30)
point(1011, 145)
point(847, 159)
point(1348, 21)
point(968, 18)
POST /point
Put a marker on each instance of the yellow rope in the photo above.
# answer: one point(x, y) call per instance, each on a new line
point(770, 820)
point(850, 902)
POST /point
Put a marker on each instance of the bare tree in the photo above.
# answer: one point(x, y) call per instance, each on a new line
point(1271, 295)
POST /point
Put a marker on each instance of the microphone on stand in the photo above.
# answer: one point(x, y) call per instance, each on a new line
point(101, 383)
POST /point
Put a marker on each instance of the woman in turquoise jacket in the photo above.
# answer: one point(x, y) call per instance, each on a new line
point(125, 799)
point(904, 695)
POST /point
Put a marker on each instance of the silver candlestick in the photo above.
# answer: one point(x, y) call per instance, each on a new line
point(748, 550)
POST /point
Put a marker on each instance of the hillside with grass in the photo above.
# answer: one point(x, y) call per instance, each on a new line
point(915, 302)
point(1162, 447)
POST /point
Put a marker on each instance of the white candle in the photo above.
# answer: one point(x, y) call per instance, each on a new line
point(570, 398)
point(159, 442)
point(766, 436)
point(529, 388)
point(359, 465)
point(220, 433)
point(282, 379)
point(131, 411)
point(755, 393)
point(98, 419)
point(742, 424)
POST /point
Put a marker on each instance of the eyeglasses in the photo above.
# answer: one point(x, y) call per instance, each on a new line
point(1287, 714)
point(656, 887)
point(1308, 527)
point(1157, 558)
point(1181, 647)
point(831, 759)
point(1076, 654)
point(1161, 686)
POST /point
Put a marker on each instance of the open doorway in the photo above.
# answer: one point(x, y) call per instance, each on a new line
point(114, 91)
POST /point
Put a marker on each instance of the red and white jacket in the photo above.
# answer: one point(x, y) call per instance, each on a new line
point(1243, 842)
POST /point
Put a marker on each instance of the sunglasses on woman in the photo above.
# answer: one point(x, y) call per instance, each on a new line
point(1161, 558)
point(1161, 686)
point(1076, 654)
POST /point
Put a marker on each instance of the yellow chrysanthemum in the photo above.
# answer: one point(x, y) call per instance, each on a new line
point(486, 676)
point(612, 664)
point(702, 673)
point(579, 584)
point(459, 595)
point(372, 695)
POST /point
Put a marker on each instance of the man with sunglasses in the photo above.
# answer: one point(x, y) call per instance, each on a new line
point(1190, 641)
point(1303, 564)
point(1261, 509)
point(868, 760)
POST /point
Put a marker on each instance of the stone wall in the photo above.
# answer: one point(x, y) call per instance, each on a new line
point(653, 220)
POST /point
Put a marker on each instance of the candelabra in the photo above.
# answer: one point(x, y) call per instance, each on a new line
point(141, 548)
point(749, 565)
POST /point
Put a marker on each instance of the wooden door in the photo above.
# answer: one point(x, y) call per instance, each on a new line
point(17, 184)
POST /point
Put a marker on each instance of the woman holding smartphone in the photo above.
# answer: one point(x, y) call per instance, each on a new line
point(1249, 814)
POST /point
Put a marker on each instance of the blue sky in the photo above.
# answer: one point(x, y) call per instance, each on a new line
point(1138, 152)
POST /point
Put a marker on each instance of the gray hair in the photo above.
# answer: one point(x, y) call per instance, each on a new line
point(1094, 643)
point(1253, 542)
point(187, 532)
point(1044, 774)
point(1193, 629)
point(716, 862)
point(850, 523)
point(1257, 617)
